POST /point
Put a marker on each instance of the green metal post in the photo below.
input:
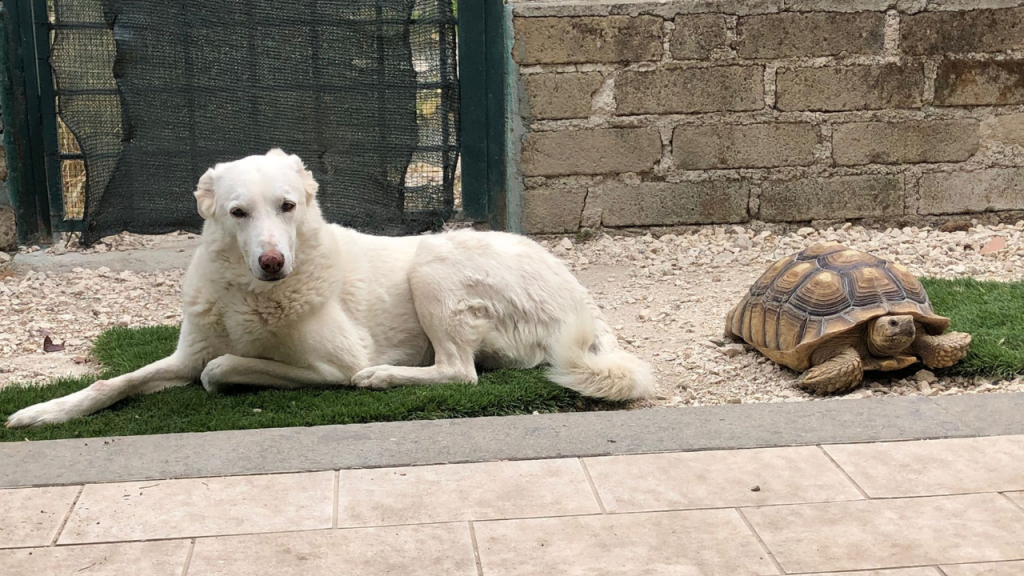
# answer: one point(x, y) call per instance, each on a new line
point(482, 88)
point(35, 165)
point(15, 99)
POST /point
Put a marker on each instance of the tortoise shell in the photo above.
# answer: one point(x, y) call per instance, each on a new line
point(826, 290)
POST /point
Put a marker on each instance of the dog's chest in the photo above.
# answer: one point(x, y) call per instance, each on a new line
point(257, 325)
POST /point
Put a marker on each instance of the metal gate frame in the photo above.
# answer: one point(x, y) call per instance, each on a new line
point(30, 122)
point(30, 117)
point(482, 73)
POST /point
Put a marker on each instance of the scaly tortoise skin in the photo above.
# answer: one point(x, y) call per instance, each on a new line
point(835, 312)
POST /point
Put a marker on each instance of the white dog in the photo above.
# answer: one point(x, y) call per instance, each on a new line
point(276, 297)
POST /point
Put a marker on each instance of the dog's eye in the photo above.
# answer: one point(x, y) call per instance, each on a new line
point(238, 213)
point(287, 206)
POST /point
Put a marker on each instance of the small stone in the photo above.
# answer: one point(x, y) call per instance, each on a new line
point(925, 376)
point(257, 410)
point(566, 243)
point(125, 321)
point(994, 245)
point(755, 488)
point(733, 350)
point(734, 400)
point(717, 341)
point(805, 232)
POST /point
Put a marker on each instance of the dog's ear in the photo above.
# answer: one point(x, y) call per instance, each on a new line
point(309, 184)
point(205, 201)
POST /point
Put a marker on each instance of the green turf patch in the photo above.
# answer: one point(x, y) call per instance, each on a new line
point(192, 409)
point(993, 314)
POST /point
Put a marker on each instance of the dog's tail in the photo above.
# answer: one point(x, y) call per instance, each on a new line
point(587, 359)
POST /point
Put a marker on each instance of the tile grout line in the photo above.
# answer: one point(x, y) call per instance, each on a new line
point(188, 557)
point(757, 536)
point(844, 472)
point(337, 499)
point(1012, 501)
point(67, 517)
point(476, 550)
point(593, 487)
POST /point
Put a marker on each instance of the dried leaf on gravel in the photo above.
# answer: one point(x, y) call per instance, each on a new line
point(49, 346)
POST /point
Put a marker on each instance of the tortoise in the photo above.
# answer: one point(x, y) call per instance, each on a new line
point(832, 313)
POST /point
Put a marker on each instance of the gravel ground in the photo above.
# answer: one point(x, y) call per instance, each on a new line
point(666, 296)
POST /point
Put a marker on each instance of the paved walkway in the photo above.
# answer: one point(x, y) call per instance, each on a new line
point(922, 508)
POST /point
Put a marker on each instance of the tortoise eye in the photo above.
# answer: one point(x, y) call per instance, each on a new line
point(288, 206)
point(238, 213)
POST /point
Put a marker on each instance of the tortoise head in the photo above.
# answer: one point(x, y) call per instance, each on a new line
point(890, 335)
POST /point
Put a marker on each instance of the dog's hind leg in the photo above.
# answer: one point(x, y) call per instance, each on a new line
point(178, 369)
point(455, 325)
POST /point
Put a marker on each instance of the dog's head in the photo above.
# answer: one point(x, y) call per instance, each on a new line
point(261, 202)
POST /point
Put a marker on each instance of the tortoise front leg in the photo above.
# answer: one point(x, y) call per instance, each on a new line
point(839, 373)
point(941, 351)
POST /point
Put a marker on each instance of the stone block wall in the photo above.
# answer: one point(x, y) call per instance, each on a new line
point(661, 113)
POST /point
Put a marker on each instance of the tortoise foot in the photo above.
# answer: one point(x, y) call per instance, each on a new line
point(841, 373)
point(944, 350)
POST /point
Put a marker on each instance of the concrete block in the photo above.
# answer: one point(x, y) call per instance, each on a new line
point(698, 35)
point(837, 5)
point(671, 203)
point(933, 33)
point(748, 146)
point(838, 88)
point(841, 197)
point(685, 91)
point(794, 34)
point(587, 39)
point(552, 211)
point(904, 142)
point(599, 151)
point(1007, 130)
point(980, 191)
point(558, 96)
point(977, 83)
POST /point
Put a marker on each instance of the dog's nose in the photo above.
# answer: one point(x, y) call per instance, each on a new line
point(272, 262)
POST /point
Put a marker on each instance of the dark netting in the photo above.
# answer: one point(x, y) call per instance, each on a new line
point(157, 91)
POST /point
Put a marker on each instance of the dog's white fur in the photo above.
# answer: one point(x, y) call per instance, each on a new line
point(353, 309)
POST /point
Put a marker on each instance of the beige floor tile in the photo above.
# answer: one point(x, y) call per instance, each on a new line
point(455, 492)
point(166, 558)
point(434, 550)
point(894, 572)
point(201, 507)
point(876, 534)
point(991, 569)
point(934, 467)
point(1017, 497)
point(699, 542)
point(718, 479)
point(31, 516)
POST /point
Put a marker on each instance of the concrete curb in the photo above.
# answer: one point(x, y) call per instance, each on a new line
point(279, 450)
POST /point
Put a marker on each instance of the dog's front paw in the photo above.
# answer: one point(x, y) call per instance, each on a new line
point(50, 412)
point(213, 376)
point(375, 377)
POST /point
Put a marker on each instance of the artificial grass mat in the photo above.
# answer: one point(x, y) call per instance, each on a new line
point(192, 409)
point(993, 312)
